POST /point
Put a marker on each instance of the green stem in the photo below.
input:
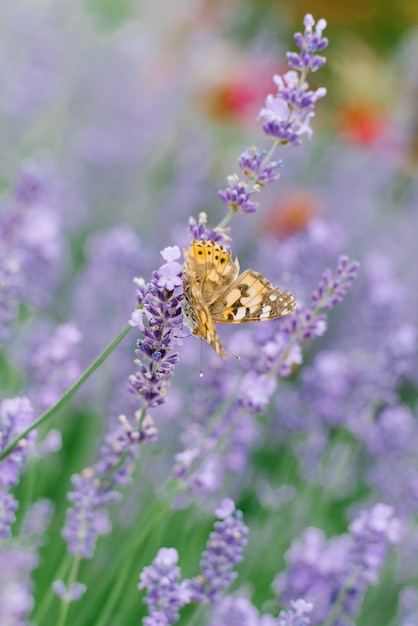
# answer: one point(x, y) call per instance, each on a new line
point(270, 153)
point(153, 517)
point(226, 219)
point(68, 394)
point(65, 603)
point(197, 617)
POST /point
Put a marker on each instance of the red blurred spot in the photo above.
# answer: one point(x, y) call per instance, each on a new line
point(291, 215)
point(361, 122)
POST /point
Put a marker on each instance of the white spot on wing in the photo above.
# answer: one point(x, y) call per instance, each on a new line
point(265, 312)
point(240, 314)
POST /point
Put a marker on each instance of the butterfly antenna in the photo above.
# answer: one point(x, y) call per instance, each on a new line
point(201, 359)
point(238, 358)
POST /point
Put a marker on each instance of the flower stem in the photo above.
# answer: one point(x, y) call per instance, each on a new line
point(68, 394)
point(226, 219)
point(65, 603)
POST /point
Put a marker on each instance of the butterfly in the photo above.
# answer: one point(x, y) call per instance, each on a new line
point(216, 293)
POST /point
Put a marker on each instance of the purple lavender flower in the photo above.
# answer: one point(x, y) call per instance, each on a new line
point(224, 551)
point(298, 615)
point(159, 318)
point(166, 593)
point(37, 520)
point(112, 258)
point(255, 165)
point(31, 249)
point(16, 601)
point(199, 230)
point(10, 279)
point(373, 532)
point(255, 391)
point(335, 574)
point(331, 291)
point(309, 43)
point(16, 414)
point(408, 610)
point(238, 196)
point(287, 115)
point(72, 594)
point(238, 611)
point(54, 364)
point(284, 351)
point(95, 487)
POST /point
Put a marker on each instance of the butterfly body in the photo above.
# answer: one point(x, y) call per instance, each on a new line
point(216, 293)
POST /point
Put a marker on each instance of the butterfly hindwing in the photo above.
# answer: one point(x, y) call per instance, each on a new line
point(251, 298)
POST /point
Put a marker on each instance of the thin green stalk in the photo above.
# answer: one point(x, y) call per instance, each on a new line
point(65, 602)
point(197, 617)
point(68, 394)
point(43, 606)
point(153, 517)
point(226, 219)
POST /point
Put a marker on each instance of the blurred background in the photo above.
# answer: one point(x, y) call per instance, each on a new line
point(121, 118)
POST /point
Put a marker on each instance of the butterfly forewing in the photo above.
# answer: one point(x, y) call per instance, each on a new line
point(196, 309)
point(215, 269)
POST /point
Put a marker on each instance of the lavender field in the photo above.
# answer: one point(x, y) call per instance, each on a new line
point(208, 313)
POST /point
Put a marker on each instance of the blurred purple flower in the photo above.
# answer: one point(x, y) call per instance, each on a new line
point(238, 611)
point(16, 601)
point(335, 574)
point(31, 248)
point(298, 615)
point(37, 520)
point(166, 593)
point(224, 551)
point(53, 364)
point(96, 486)
point(113, 257)
point(70, 595)
point(16, 414)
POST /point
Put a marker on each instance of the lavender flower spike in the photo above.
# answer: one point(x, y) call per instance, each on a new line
point(166, 594)
point(159, 318)
point(287, 114)
point(16, 601)
point(237, 610)
point(16, 414)
point(97, 486)
point(309, 43)
point(224, 551)
point(297, 616)
point(334, 574)
point(238, 196)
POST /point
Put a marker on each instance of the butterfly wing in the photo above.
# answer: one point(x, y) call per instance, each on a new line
point(251, 298)
point(195, 308)
point(214, 268)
